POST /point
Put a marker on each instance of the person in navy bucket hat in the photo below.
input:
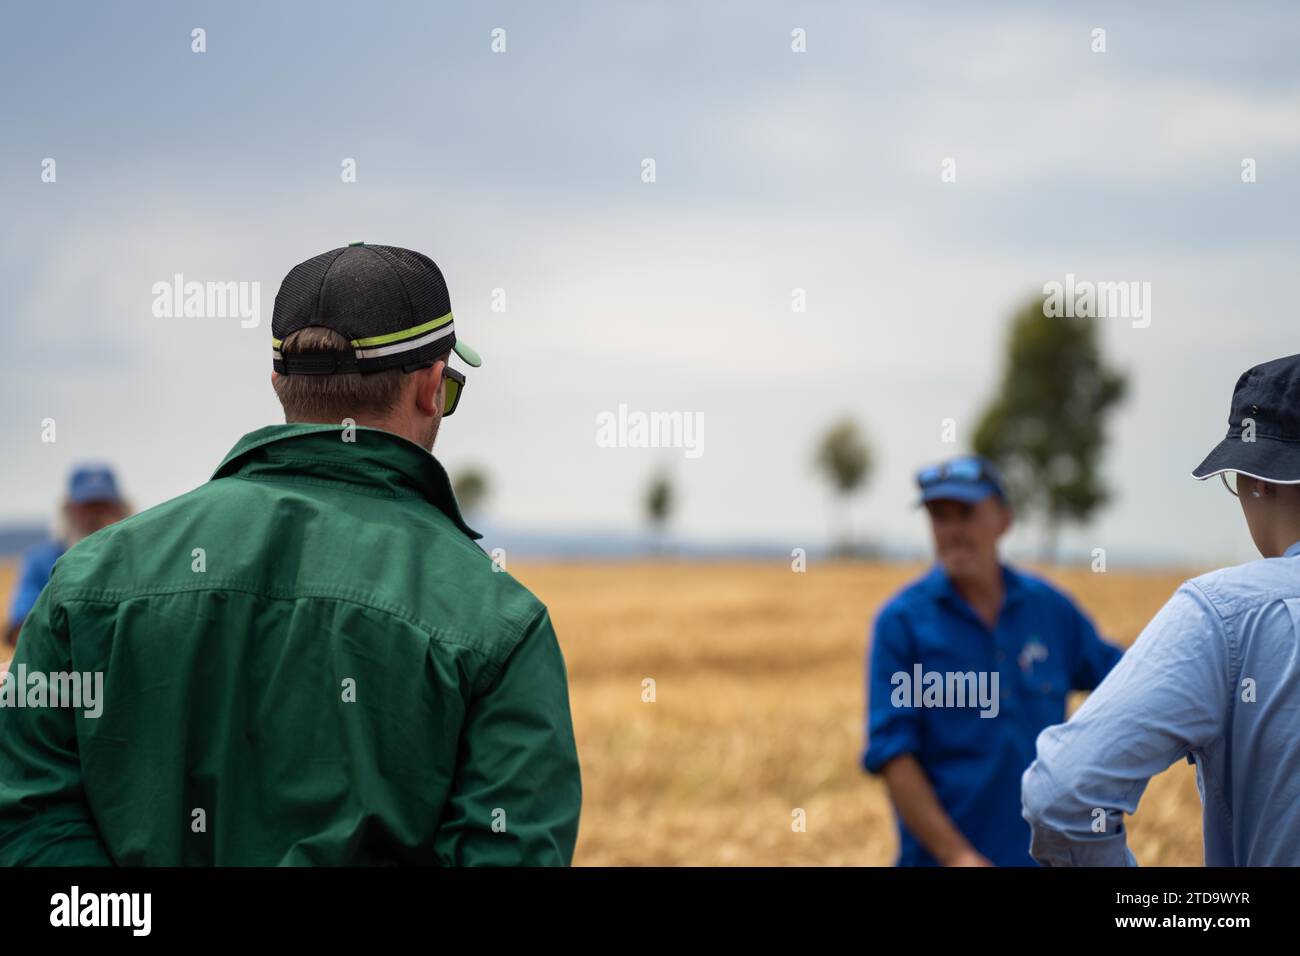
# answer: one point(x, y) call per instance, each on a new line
point(972, 627)
point(1213, 679)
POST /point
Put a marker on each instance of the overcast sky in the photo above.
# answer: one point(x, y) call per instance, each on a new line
point(775, 170)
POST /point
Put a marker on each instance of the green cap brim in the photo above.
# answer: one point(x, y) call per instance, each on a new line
point(466, 352)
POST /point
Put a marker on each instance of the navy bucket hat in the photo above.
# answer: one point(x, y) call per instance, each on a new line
point(1263, 439)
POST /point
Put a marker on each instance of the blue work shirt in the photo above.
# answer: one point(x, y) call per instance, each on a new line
point(1213, 678)
point(1042, 648)
point(38, 562)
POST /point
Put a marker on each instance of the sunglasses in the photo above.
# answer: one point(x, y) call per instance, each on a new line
point(453, 383)
point(1231, 485)
point(964, 469)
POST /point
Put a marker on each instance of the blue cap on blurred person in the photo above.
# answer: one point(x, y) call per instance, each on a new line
point(89, 483)
point(969, 478)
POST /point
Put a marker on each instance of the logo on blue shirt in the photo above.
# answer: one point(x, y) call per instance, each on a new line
point(1034, 650)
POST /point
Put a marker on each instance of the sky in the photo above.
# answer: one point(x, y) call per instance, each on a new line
point(775, 170)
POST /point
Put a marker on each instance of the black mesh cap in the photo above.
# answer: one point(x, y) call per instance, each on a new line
point(391, 304)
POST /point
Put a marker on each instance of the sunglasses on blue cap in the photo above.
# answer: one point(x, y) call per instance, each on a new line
point(962, 469)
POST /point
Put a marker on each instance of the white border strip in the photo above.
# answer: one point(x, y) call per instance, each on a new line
point(408, 345)
point(1271, 481)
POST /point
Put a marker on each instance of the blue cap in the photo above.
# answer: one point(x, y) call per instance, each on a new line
point(92, 483)
point(969, 478)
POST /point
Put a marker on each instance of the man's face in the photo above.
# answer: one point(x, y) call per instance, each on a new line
point(966, 535)
point(87, 518)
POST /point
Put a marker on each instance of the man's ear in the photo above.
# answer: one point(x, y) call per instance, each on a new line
point(1007, 516)
point(428, 389)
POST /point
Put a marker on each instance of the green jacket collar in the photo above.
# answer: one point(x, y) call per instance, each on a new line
point(387, 460)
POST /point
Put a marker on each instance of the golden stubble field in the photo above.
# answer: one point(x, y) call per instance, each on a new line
point(759, 709)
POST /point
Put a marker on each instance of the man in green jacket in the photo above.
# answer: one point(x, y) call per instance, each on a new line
point(307, 660)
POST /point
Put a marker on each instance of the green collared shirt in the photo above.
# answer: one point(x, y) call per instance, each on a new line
point(306, 660)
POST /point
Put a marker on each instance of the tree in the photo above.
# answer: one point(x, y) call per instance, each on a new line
point(659, 506)
point(845, 458)
point(1045, 426)
point(470, 486)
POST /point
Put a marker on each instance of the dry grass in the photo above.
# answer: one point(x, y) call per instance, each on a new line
point(759, 710)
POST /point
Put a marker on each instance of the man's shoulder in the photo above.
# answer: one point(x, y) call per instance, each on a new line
point(483, 574)
point(1039, 589)
point(258, 514)
point(412, 561)
point(99, 551)
point(915, 596)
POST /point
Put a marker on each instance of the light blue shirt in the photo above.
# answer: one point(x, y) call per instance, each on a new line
point(1214, 678)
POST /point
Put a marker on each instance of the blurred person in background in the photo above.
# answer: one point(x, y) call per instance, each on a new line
point(92, 502)
point(1009, 643)
point(1214, 678)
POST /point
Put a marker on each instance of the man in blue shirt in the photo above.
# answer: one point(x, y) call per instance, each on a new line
point(1214, 678)
point(968, 664)
point(93, 502)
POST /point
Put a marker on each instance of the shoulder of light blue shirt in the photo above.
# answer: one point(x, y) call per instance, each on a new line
point(1231, 591)
point(1167, 698)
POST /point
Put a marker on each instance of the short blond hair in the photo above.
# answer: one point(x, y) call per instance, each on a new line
point(332, 398)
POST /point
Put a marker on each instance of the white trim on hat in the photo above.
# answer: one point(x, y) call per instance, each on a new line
point(407, 345)
point(1271, 481)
